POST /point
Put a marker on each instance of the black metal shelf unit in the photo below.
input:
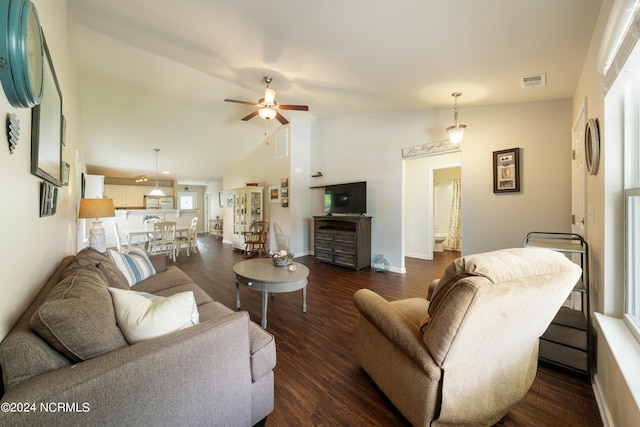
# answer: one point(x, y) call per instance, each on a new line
point(567, 342)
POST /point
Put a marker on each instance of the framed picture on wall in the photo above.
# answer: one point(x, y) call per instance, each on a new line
point(506, 170)
point(274, 194)
point(48, 199)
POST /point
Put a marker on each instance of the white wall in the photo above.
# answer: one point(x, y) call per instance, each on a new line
point(542, 130)
point(44, 240)
point(260, 166)
point(215, 209)
point(299, 182)
point(368, 147)
point(619, 406)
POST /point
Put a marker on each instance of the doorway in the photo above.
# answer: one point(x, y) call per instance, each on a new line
point(419, 202)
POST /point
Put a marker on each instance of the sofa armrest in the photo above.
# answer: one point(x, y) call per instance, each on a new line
point(432, 288)
point(397, 327)
point(159, 262)
point(196, 376)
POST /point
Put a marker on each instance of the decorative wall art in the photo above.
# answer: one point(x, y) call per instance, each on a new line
point(274, 194)
point(284, 192)
point(157, 217)
point(48, 199)
point(506, 170)
point(430, 149)
point(66, 170)
point(46, 128)
point(13, 131)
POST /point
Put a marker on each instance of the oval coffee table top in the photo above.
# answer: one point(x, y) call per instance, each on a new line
point(263, 270)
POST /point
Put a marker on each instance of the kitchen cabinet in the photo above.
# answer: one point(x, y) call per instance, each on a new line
point(130, 196)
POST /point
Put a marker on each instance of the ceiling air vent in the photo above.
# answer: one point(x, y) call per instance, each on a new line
point(533, 80)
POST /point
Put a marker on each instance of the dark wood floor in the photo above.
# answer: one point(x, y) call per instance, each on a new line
point(318, 381)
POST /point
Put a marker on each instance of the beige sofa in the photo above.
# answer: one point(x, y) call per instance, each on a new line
point(466, 355)
point(217, 372)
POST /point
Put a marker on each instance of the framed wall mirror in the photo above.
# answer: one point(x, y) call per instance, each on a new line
point(46, 128)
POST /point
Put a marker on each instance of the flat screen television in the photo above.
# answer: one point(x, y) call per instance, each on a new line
point(350, 198)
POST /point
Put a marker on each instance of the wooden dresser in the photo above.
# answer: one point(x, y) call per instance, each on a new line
point(343, 240)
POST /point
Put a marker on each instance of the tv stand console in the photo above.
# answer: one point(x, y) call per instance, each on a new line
point(343, 240)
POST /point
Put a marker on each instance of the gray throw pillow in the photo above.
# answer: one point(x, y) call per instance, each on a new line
point(78, 318)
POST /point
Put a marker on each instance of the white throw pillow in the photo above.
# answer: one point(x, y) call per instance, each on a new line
point(142, 316)
point(134, 264)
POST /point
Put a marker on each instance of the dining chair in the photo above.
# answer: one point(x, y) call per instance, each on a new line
point(164, 239)
point(119, 244)
point(149, 226)
point(190, 240)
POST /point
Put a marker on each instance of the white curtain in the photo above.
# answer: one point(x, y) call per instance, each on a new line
point(454, 239)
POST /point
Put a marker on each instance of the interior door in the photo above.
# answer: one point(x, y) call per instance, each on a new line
point(579, 175)
point(578, 191)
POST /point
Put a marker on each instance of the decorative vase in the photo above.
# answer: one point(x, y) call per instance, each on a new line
point(380, 264)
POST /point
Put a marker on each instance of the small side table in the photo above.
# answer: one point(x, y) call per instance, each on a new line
point(215, 227)
point(261, 275)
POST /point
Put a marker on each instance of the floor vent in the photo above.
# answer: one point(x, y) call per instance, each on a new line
point(533, 80)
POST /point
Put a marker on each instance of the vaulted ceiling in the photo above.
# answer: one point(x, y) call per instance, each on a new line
point(155, 74)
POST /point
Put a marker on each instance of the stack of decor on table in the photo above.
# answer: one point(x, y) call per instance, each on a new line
point(121, 339)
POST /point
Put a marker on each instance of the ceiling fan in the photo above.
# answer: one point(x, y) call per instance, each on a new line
point(268, 107)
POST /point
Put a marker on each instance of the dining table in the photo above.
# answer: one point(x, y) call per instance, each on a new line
point(137, 232)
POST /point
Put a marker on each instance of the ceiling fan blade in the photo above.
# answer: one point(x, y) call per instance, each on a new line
point(241, 102)
point(281, 118)
point(250, 116)
point(294, 107)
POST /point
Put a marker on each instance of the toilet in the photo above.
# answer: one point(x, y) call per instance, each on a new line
point(440, 237)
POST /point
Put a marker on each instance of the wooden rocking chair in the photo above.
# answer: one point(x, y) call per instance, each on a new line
point(255, 239)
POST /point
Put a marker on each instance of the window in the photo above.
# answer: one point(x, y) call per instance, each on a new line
point(632, 259)
point(622, 109)
point(187, 200)
point(631, 158)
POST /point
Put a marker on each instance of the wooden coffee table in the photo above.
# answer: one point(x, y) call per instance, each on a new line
point(261, 275)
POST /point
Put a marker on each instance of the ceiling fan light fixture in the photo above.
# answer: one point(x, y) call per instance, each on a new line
point(456, 132)
point(156, 192)
point(267, 113)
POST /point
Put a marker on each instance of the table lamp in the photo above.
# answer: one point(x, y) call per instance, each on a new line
point(96, 208)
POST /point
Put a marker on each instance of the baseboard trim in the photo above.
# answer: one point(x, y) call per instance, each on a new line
point(602, 404)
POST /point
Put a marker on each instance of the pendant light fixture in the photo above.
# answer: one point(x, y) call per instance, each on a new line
point(157, 191)
point(457, 130)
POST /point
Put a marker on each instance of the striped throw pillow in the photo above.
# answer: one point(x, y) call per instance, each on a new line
point(133, 263)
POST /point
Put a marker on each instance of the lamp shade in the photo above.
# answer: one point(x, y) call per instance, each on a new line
point(455, 133)
point(267, 113)
point(96, 208)
point(269, 96)
point(156, 192)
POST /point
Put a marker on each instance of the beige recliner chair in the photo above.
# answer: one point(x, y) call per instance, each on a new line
point(470, 353)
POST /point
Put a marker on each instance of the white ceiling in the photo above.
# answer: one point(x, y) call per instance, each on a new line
point(154, 74)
